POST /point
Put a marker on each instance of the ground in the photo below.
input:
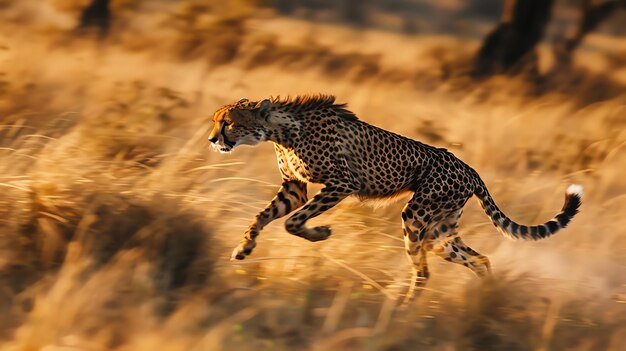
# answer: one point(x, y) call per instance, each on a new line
point(117, 220)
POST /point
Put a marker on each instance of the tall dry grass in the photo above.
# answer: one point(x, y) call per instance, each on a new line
point(117, 221)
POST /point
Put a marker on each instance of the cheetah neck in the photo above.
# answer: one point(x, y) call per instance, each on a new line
point(286, 127)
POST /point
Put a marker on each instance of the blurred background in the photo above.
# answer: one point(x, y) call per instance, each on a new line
point(117, 221)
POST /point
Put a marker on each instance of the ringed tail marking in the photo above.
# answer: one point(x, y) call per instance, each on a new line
point(513, 230)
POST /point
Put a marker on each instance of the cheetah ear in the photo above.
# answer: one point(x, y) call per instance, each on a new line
point(264, 108)
point(243, 100)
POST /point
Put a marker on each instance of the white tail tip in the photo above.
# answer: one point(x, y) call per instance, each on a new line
point(575, 189)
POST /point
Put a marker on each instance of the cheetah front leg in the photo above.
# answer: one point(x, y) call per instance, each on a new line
point(327, 198)
point(290, 196)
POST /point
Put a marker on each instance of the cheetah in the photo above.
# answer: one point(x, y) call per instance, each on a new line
point(319, 141)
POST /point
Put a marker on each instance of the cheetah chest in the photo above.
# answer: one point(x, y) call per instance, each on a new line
point(310, 167)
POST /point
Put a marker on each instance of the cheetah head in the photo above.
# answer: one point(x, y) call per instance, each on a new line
point(241, 123)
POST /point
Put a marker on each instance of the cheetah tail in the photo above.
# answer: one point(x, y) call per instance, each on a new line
point(573, 197)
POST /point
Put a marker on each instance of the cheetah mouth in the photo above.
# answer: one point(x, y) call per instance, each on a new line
point(224, 145)
point(227, 147)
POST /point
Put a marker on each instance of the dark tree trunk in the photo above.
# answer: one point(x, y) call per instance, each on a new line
point(590, 18)
point(353, 11)
point(285, 6)
point(512, 42)
point(97, 15)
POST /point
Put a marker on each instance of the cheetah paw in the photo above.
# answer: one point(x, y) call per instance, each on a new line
point(318, 233)
point(243, 249)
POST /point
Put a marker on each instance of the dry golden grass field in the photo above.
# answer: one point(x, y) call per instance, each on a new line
point(117, 220)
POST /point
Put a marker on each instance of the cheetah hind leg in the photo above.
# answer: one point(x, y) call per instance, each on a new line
point(449, 246)
point(456, 251)
point(418, 278)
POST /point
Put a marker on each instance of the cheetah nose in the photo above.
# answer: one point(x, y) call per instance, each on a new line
point(213, 140)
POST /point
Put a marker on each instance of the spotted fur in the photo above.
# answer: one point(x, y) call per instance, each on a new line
point(319, 141)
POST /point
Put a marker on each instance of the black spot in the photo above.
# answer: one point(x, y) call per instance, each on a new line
point(453, 254)
point(542, 230)
point(281, 196)
point(514, 227)
point(287, 205)
point(552, 226)
point(563, 219)
point(505, 223)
